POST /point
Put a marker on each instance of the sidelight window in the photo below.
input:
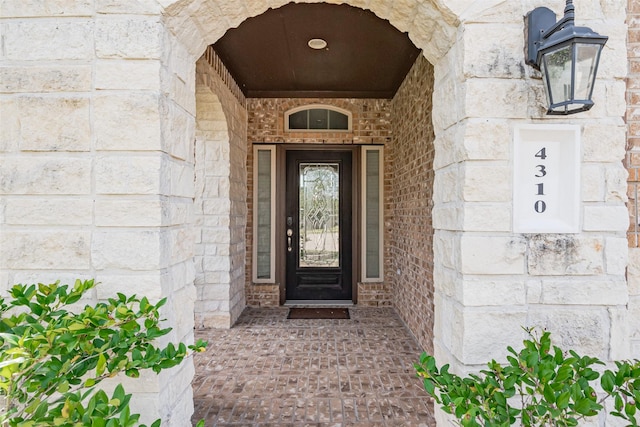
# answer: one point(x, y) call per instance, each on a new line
point(372, 219)
point(264, 160)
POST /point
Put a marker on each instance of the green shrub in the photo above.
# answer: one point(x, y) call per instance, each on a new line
point(52, 359)
point(539, 386)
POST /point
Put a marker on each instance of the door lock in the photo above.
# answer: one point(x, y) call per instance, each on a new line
point(289, 234)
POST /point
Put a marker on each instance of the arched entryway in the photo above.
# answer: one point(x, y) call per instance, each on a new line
point(223, 275)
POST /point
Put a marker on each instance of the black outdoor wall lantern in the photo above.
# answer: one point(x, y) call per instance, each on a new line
point(566, 55)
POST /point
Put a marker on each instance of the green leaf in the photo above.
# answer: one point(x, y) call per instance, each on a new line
point(630, 409)
point(583, 406)
point(563, 400)
point(429, 386)
point(608, 381)
point(101, 365)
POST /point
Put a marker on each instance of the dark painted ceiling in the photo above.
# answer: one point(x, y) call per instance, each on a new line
point(268, 56)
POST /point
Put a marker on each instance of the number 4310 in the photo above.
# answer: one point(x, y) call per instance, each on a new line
point(541, 171)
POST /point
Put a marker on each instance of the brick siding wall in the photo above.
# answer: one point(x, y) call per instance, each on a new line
point(371, 125)
point(409, 247)
point(633, 166)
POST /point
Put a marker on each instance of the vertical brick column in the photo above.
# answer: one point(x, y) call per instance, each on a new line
point(633, 167)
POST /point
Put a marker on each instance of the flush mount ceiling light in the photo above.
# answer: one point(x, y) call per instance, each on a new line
point(566, 55)
point(317, 44)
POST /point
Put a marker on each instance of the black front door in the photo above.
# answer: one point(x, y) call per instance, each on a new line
point(318, 225)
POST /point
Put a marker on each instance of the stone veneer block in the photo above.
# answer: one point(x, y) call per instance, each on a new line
point(128, 173)
point(131, 250)
point(565, 254)
point(492, 255)
point(487, 333)
point(606, 218)
point(48, 211)
point(477, 293)
point(116, 114)
point(583, 329)
point(128, 37)
point(38, 249)
point(43, 40)
point(45, 78)
point(45, 175)
point(584, 292)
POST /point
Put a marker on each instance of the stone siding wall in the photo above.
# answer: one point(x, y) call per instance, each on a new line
point(96, 164)
point(371, 125)
point(633, 167)
point(220, 202)
point(409, 202)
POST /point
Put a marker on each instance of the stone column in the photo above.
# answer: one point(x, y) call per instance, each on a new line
point(491, 282)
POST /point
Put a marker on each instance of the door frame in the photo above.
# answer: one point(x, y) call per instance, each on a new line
point(280, 223)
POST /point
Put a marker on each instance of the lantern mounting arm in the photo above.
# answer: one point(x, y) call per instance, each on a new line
point(540, 25)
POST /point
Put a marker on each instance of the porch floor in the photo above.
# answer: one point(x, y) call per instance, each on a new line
point(270, 371)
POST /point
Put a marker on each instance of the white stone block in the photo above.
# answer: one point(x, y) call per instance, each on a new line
point(445, 112)
point(603, 142)
point(492, 255)
point(49, 8)
point(216, 263)
point(565, 254)
point(487, 139)
point(138, 7)
point(447, 185)
point(487, 333)
point(143, 285)
point(593, 183)
point(584, 292)
point(178, 130)
point(39, 249)
point(37, 39)
point(116, 74)
point(181, 178)
point(499, 98)
point(620, 344)
point(45, 78)
point(445, 248)
point(128, 212)
point(10, 125)
point(633, 271)
point(130, 250)
point(487, 182)
point(616, 183)
point(534, 291)
point(493, 50)
point(606, 218)
point(487, 217)
point(449, 148)
point(448, 216)
point(489, 11)
point(129, 174)
point(45, 175)
point(129, 37)
point(474, 293)
point(38, 123)
point(116, 115)
point(616, 255)
point(49, 211)
point(581, 329)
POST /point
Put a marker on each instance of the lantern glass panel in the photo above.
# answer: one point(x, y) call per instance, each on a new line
point(556, 68)
point(586, 67)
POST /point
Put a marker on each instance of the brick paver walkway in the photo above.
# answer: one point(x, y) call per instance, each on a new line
point(270, 371)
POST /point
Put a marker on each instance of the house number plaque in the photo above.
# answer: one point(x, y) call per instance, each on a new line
point(546, 179)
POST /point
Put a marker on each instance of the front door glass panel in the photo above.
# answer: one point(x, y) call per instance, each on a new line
point(319, 215)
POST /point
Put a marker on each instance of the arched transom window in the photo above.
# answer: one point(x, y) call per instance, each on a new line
point(317, 118)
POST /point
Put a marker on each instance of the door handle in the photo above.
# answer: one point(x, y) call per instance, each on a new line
point(289, 234)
